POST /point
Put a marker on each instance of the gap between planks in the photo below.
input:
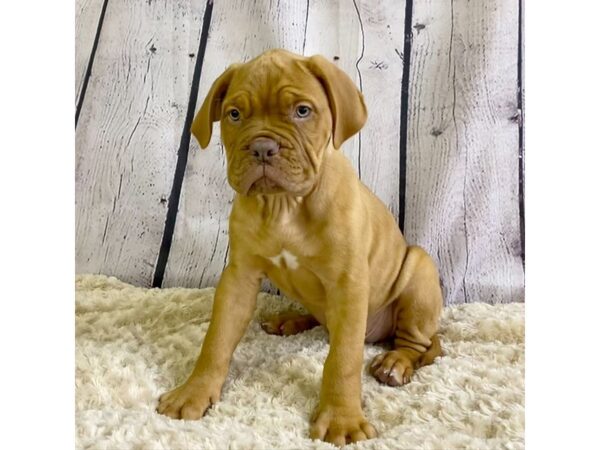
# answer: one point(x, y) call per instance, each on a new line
point(182, 155)
point(88, 71)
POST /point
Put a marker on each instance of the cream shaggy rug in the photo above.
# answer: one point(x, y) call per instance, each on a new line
point(132, 344)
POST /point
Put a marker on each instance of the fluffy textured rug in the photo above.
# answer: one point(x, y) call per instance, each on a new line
point(132, 344)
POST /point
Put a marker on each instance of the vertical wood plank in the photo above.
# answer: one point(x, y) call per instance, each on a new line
point(380, 69)
point(240, 30)
point(87, 18)
point(129, 133)
point(462, 167)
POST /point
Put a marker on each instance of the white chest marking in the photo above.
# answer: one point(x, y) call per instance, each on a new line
point(285, 260)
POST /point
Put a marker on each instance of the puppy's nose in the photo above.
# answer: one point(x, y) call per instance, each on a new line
point(263, 148)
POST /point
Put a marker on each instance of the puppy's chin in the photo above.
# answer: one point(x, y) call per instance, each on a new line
point(265, 185)
point(267, 180)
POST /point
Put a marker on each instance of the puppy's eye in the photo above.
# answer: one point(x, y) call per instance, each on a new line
point(303, 111)
point(234, 114)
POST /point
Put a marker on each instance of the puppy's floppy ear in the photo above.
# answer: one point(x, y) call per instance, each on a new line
point(345, 100)
point(211, 108)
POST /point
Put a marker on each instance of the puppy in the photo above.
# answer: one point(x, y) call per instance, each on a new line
point(302, 218)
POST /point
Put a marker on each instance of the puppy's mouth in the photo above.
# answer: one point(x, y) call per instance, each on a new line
point(263, 179)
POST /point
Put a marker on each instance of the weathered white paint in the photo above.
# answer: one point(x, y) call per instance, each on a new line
point(381, 74)
point(129, 132)
point(462, 163)
point(87, 15)
point(285, 260)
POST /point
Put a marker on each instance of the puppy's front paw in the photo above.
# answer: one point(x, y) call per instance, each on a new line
point(189, 401)
point(340, 426)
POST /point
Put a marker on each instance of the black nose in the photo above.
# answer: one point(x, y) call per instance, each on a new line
point(263, 148)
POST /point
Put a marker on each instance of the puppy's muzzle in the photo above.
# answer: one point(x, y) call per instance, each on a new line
point(263, 149)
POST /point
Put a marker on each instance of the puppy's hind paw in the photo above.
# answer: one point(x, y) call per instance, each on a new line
point(392, 368)
point(288, 324)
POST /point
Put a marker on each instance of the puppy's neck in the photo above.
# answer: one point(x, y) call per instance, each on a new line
point(278, 207)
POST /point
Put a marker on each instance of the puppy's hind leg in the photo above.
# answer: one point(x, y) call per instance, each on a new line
point(288, 324)
point(416, 315)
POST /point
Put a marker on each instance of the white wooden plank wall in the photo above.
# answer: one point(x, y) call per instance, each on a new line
point(460, 200)
point(129, 132)
point(462, 159)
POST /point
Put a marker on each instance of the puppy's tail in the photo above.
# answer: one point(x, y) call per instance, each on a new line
point(434, 350)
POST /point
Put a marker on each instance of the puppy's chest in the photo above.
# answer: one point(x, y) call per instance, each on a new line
point(292, 259)
point(286, 248)
point(282, 239)
point(297, 275)
point(285, 260)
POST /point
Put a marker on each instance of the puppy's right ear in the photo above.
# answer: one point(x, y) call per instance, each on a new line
point(346, 102)
point(211, 108)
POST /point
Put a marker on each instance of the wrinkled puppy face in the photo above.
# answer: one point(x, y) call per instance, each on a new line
point(275, 125)
point(278, 112)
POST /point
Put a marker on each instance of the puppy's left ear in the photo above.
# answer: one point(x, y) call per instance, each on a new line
point(345, 100)
point(210, 111)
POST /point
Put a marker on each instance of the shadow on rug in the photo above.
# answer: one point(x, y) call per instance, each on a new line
point(132, 344)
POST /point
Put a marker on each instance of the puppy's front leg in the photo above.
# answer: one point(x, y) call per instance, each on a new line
point(339, 417)
point(235, 301)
